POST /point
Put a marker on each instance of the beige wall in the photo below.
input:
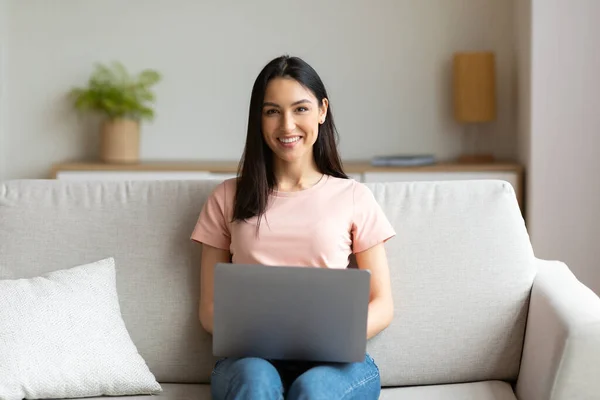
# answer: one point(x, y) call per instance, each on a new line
point(386, 64)
point(3, 94)
point(523, 20)
point(564, 162)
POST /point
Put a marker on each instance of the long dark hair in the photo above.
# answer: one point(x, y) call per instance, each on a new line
point(256, 178)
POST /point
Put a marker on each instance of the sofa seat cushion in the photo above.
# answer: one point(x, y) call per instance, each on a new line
point(486, 390)
point(171, 391)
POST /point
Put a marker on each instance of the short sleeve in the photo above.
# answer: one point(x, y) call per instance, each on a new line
point(212, 227)
point(370, 225)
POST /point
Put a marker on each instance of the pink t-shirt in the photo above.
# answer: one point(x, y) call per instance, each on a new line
point(317, 227)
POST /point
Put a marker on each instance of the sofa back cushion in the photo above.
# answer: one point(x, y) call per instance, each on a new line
point(461, 267)
point(145, 226)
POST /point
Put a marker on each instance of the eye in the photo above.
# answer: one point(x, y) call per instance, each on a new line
point(302, 109)
point(271, 111)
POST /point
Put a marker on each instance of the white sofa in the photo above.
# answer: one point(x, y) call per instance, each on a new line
point(478, 316)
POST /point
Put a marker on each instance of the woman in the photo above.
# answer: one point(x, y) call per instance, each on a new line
point(294, 205)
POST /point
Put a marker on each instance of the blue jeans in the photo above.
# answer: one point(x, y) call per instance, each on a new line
point(257, 378)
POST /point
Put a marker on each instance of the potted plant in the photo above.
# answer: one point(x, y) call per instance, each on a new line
point(125, 101)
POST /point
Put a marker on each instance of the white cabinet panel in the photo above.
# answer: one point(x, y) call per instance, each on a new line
point(404, 176)
point(133, 175)
point(510, 177)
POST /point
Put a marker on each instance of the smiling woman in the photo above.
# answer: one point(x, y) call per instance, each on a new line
point(316, 216)
point(291, 132)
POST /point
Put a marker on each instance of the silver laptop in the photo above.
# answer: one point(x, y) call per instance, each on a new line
point(290, 313)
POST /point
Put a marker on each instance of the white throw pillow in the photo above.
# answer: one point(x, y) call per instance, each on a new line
point(62, 336)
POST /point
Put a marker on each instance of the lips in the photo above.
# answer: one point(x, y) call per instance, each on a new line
point(289, 139)
point(289, 142)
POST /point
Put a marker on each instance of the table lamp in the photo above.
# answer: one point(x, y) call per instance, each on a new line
point(474, 85)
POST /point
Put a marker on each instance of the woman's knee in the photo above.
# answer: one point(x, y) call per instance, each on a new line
point(355, 381)
point(245, 378)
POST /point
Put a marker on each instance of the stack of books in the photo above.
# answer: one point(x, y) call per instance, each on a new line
point(403, 160)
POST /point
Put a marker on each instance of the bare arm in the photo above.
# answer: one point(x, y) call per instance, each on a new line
point(210, 256)
point(381, 304)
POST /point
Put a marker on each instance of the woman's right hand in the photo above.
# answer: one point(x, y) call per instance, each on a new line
point(210, 256)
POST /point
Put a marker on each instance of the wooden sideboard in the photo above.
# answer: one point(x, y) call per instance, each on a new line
point(361, 171)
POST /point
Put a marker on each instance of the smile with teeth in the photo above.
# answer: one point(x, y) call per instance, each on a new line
point(289, 139)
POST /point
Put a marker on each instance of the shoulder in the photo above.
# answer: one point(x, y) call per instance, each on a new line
point(363, 197)
point(357, 190)
point(229, 185)
point(361, 190)
point(341, 185)
point(352, 190)
point(224, 191)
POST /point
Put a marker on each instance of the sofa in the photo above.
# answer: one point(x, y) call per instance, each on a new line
point(477, 315)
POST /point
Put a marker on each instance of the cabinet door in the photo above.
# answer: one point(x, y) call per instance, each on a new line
point(508, 176)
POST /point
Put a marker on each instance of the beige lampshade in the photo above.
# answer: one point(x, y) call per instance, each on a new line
point(474, 87)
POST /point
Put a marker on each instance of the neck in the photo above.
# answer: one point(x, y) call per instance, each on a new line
point(297, 175)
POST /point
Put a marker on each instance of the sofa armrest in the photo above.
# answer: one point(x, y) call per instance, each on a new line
point(561, 354)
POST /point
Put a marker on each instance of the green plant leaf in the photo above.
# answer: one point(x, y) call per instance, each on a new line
point(121, 74)
point(113, 91)
point(149, 78)
point(147, 113)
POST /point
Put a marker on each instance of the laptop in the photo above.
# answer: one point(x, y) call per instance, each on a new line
point(290, 313)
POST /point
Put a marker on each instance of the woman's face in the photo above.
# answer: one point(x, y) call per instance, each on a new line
point(290, 119)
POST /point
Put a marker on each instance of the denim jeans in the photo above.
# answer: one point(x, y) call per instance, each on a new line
point(257, 378)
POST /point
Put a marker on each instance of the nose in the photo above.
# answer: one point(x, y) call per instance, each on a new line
point(288, 123)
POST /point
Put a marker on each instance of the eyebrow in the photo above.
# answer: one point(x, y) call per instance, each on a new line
point(268, 103)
